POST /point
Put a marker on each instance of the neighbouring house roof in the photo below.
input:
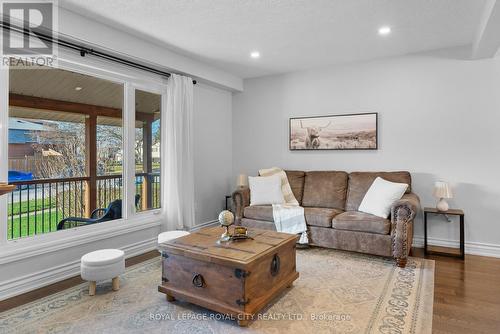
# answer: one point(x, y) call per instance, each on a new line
point(20, 130)
point(21, 124)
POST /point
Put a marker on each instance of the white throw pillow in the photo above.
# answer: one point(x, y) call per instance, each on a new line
point(265, 190)
point(381, 196)
point(285, 185)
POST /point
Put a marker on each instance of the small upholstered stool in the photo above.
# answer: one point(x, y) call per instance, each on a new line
point(101, 265)
point(169, 235)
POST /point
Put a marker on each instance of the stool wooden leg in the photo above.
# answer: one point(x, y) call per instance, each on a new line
point(116, 283)
point(170, 298)
point(92, 288)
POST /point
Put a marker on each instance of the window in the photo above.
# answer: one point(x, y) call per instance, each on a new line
point(147, 150)
point(65, 150)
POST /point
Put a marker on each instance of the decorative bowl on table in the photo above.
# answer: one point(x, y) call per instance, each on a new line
point(240, 233)
point(240, 230)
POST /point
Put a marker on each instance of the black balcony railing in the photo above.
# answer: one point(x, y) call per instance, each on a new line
point(36, 206)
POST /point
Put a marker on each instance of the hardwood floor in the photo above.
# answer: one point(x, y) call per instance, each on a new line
point(466, 293)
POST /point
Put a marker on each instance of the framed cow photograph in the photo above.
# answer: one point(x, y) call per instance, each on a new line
point(335, 132)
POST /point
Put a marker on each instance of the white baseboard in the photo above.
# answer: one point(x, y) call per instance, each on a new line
point(45, 277)
point(472, 248)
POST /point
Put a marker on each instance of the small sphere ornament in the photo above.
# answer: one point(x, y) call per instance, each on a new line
point(226, 219)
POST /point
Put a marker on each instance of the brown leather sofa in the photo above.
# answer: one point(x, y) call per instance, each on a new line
point(331, 200)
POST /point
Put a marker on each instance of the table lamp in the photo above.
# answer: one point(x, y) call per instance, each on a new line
point(442, 191)
point(242, 181)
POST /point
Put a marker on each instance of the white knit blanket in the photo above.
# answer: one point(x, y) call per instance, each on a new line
point(290, 219)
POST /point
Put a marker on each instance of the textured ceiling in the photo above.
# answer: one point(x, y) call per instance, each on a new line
point(291, 35)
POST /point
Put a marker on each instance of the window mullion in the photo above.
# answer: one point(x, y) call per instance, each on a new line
point(128, 151)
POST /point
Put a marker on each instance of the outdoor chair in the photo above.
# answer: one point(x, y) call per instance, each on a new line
point(112, 212)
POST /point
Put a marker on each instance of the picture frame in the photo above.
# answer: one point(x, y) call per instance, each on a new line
point(357, 131)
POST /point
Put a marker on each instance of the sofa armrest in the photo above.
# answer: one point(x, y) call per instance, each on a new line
point(241, 199)
point(406, 208)
point(402, 214)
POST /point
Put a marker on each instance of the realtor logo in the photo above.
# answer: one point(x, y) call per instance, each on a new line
point(36, 17)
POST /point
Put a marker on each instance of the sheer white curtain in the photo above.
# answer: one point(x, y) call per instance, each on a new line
point(179, 192)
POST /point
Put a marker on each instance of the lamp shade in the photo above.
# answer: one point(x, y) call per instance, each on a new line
point(442, 190)
point(242, 181)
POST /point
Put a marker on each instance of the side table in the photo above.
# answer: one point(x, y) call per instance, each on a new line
point(451, 212)
point(228, 203)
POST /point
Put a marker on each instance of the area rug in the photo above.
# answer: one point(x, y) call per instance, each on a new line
point(337, 292)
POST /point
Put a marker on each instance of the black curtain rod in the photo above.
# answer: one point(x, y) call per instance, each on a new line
point(84, 50)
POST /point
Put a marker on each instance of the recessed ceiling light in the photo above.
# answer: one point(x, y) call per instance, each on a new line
point(255, 54)
point(78, 88)
point(385, 30)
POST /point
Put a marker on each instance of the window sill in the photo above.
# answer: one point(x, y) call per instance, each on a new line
point(16, 250)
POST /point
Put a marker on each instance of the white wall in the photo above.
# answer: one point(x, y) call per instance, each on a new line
point(212, 151)
point(438, 118)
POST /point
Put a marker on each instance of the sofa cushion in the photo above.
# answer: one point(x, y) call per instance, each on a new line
point(320, 216)
point(325, 189)
point(360, 221)
point(296, 180)
point(381, 196)
point(259, 212)
point(360, 182)
point(285, 185)
point(265, 190)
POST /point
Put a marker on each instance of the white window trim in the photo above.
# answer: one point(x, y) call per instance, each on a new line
point(4, 148)
point(12, 250)
point(16, 250)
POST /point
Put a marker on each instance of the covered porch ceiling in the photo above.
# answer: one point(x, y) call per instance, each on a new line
point(61, 95)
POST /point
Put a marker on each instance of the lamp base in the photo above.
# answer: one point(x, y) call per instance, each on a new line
point(442, 205)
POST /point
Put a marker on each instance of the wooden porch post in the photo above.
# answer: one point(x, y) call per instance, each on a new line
point(91, 164)
point(147, 160)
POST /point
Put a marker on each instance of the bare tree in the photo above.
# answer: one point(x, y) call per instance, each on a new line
point(138, 145)
point(67, 139)
point(68, 159)
point(109, 146)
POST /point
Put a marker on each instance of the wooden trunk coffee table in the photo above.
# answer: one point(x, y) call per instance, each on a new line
point(237, 278)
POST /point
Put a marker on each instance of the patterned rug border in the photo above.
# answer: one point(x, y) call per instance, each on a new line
point(82, 287)
point(420, 318)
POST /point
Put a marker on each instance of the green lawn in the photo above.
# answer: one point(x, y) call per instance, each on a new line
point(16, 230)
point(138, 168)
point(18, 226)
point(22, 207)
